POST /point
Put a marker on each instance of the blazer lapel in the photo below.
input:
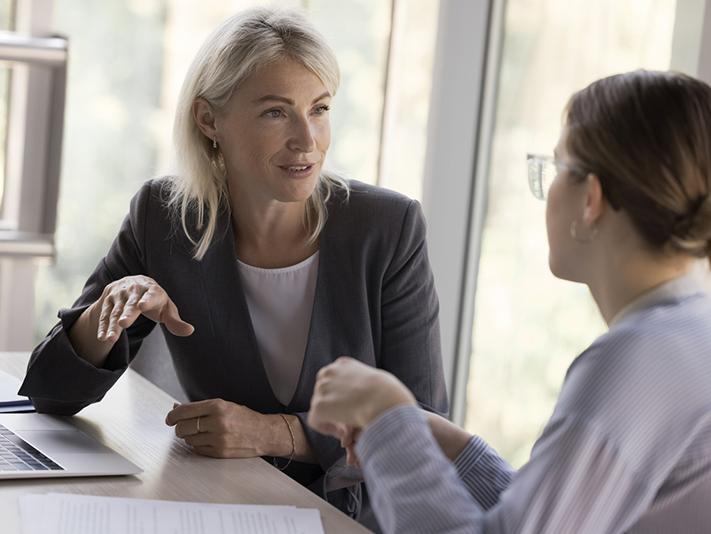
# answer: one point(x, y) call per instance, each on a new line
point(232, 334)
point(321, 348)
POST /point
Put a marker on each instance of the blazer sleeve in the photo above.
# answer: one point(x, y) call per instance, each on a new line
point(58, 380)
point(410, 345)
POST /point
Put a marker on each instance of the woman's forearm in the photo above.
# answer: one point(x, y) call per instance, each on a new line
point(450, 438)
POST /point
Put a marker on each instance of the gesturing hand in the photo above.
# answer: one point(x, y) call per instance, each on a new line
point(124, 300)
point(220, 428)
point(349, 394)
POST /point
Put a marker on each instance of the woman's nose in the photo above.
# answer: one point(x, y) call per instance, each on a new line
point(302, 136)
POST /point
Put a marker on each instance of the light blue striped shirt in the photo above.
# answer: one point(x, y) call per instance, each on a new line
point(627, 449)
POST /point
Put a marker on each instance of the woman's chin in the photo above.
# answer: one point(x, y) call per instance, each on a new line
point(563, 271)
point(295, 190)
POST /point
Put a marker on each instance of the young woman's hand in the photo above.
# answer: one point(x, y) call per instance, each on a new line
point(348, 442)
point(349, 395)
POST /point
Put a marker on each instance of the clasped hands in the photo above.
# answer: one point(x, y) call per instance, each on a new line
point(348, 396)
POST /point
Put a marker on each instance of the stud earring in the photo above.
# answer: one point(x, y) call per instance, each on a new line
point(214, 142)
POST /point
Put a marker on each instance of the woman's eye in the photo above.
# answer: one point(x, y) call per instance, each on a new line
point(273, 113)
point(320, 110)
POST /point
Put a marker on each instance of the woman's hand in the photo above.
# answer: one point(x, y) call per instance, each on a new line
point(223, 429)
point(96, 330)
point(124, 300)
point(349, 395)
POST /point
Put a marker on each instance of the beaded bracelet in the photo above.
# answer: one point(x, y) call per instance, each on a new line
point(293, 445)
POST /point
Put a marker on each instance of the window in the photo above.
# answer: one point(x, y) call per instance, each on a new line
point(32, 89)
point(406, 106)
point(529, 326)
point(6, 24)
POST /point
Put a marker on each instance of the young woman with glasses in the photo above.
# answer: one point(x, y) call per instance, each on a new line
point(628, 446)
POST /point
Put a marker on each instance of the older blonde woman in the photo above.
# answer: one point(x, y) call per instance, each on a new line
point(260, 266)
point(628, 446)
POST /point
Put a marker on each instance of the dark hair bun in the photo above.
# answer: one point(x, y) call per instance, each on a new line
point(692, 232)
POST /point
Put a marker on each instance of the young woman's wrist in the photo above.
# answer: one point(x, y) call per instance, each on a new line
point(387, 393)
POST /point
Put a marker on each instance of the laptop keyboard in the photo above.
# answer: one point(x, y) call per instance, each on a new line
point(18, 455)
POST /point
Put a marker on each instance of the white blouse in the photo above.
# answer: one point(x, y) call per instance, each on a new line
point(280, 302)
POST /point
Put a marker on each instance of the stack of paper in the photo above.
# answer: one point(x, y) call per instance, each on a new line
point(60, 513)
point(10, 401)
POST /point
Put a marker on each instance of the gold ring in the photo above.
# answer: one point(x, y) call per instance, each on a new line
point(198, 425)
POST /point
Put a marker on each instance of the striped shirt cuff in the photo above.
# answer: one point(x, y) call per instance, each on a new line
point(413, 487)
point(391, 423)
point(484, 473)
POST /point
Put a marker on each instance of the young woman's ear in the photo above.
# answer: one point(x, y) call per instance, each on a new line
point(594, 200)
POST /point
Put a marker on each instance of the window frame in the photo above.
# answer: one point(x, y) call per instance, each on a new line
point(34, 143)
point(33, 163)
point(458, 148)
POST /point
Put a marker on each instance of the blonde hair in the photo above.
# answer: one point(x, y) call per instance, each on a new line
point(237, 48)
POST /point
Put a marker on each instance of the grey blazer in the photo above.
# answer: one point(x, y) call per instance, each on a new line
point(375, 300)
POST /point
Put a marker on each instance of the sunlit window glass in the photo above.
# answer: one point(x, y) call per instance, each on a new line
point(7, 12)
point(528, 325)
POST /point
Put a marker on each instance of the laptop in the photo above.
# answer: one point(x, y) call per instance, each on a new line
point(42, 446)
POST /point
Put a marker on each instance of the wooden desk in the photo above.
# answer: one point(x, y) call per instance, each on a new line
point(130, 420)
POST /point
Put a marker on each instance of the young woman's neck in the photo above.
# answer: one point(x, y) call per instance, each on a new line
point(622, 279)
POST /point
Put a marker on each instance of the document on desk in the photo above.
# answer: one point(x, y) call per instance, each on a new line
point(63, 513)
point(10, 401)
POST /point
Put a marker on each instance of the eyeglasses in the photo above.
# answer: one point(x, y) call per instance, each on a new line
point(542, 171)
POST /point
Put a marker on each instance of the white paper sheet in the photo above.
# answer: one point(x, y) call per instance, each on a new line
point(59, 513)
